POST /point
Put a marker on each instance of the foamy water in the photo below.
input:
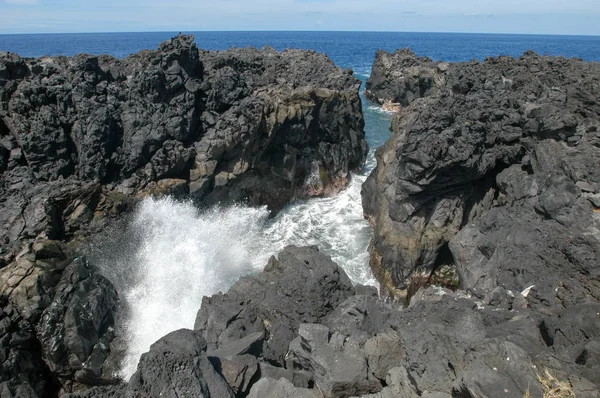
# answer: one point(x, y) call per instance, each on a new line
point(379, 109)
point(184, 254)
point(173, 254)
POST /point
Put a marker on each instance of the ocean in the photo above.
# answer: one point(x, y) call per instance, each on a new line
point(184, 254)
point(347, 49)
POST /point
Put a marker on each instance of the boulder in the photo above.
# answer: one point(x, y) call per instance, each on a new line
point(57, 321)
point(401, 77)
point(76, 330)
point(300, 285)
point(22, 371)
point(337, 362)
point(282, 388)
point(239, 371)
point(176, 366)
point(399, 385)
point(117, 391)
point(360, 316)
point(12, 390)
point(299, 378)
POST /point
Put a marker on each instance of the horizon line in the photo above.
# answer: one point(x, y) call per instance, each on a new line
point(301, 31)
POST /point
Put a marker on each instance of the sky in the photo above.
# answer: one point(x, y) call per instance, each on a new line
point(578, 17)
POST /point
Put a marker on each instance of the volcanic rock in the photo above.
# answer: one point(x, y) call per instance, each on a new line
point(242, 124)
point(282, 388)
point(489, 176)
point(484, 173)
point(56, 322)
point(83, 139)
point(176, 366)
point(301, 285)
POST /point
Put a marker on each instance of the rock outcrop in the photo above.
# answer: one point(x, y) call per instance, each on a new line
point(177, 366)
point(344, 341)
point(489, 187)
point(84, 139)
point(491, 170)
point(79, 136)
point(57, 322)
point(402, 77)
point(300, 286)
point(280, 318)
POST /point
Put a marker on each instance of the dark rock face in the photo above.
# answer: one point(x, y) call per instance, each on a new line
point(339, 365)
point(302, 285)
point(240, 372)
point(278, 317)
point(77, 328)
point(83, 139)
point(278, 126)
point(177, 366)
point(446, 344)
point(241, 342)
point(56, 322)
point(454, 344)
point(272, 388)
point(402, 77)
point(492, 172)
point(242, 124)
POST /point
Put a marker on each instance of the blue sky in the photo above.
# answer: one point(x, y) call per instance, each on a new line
point(492, 16)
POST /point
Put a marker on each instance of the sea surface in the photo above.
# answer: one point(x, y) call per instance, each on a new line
point(182, 254)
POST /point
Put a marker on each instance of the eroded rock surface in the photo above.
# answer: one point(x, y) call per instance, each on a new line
point(177, 366)
point(325, 338)
point(489, 187)
point(57, 322)
point(490, 169)
point(301, 285)
point(83, 133)
point(84, 139)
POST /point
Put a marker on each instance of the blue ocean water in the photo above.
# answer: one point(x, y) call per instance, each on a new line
point(347, 49)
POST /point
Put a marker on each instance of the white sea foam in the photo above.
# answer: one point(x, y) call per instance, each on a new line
point(183, 254)
point(336, 225)
point(174, 254)
point(379, 109)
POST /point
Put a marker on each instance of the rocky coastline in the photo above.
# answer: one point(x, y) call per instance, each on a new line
point(488, 185)
point(485, 206)
point(84, 139)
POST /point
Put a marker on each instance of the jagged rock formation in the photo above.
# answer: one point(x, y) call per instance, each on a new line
point(493, 172)
point(490, 177)
point(57, 320)
point(273, 304)
point(402, 77)
point(176, 366)
point(83, 139)
point(270, 334)
point(270, 337)
point(80, 135)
